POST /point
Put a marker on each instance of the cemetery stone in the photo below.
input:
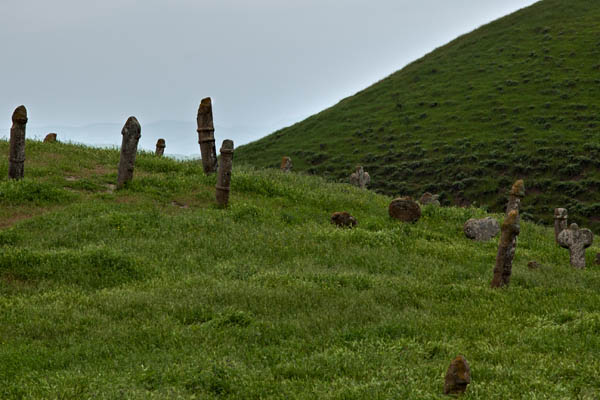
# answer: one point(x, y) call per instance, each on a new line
point(50, 138)
point(286, 164)
point(16, 155)
point(405, 209)
point(360, 178)
point(343, 220)
point(458, 376)
point(576, 240)
point(206, 136)
point(481, 229)
point(506, 250)
point(160, 147)
point(430, 199)
point(224, 173)
point(131, 135)
point(560, 221)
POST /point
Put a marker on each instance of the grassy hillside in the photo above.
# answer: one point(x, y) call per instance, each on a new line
point(153, 292)
point(519, 97)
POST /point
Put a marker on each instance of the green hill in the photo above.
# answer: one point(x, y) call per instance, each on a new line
point(517, 98)
point(152, 292)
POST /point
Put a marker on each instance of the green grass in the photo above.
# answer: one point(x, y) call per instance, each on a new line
point(517, 98)
point(128, 294)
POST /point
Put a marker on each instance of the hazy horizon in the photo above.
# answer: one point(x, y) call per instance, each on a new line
point(266, 65)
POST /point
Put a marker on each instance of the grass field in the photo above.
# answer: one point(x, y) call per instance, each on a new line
point(519, 97)
point(154, 292)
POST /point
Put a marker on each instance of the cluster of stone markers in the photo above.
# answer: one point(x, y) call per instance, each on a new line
point(132, 132)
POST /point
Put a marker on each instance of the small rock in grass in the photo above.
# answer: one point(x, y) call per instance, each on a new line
point(481, 229)
point(405, 209)
point(430, 199)
point(533, 265)
point(458, 376)
point(343, 220)
point(50, 138)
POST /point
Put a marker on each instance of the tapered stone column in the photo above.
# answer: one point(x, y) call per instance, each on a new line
point(131, 135)
point(206, 136)
point(506, 250)
point(160, 147)
point(561, 221)
point(224, 173)
point(16, 154)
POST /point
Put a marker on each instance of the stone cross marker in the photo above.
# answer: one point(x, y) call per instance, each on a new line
point(561, 217)
point(206, 136)
point(50, 138)
point(16, 154)
point(576, 240)
point(286, 164)
point(360, 178)
point(506, 250)
point(458, 376)
point(224, 173)
point(131, 135)
point(160, 147)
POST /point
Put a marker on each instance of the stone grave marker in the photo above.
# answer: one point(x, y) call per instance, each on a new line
point(50, 138)
point(482, 229)
point(132, 131)
point(458, 376)
point(506, 250)
point(343, 220)
point(224, 173)
point(160, 147)
point(360, 178)
point(286, 164)
point(430, 199)
point(576, 240)
point(561, 217)
point(16, 153)
point(206, 136)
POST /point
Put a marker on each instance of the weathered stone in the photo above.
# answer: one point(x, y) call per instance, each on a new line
point(286, 164)
point(132, 131)
point(360, 178)
point(481, 229)
point(50, 138)
point(576, 240)
point(206, 136)
point(160, 147)
point(224, 173)
point(506, 250)
point(405, 209)
point(561, 217)
point(16, 154)
point(430, 199)
point(533, 265)
point(458, 376)
point(517, 192)
point(343, 220)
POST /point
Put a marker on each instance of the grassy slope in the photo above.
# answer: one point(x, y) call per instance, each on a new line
point(519, 97)
point(130, 295)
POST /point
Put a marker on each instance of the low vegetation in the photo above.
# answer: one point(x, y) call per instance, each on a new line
point(154, 292)
point(519, 97)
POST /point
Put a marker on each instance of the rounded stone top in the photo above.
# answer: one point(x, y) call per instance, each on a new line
point(205, 105)
point(227, 146)
point(560, 213)
point(574, 227)
point(518, 189)
point(160, 143)
point(20, 115)
point(132, 126)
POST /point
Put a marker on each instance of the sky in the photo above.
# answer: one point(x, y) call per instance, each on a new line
point(82, 67)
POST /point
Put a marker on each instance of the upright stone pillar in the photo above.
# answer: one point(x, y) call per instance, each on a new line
point(131, 135)
point(224, 173)
point(561, 221)
point(286, 164)
point(16, 154)
point(160, 147)
point(506, 250)
point(517, 192)
point(206, 136)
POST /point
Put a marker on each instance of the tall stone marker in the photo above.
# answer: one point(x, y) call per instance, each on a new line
point(50, 138)
point(206, 136)
point(286, 164)
point(561, 221)
point(132, 131)
point(360, 178)
point(16, 154)
point(224, 173)
point(160, 147)
point(506, 250)
point(517, 192)
point(576, 240)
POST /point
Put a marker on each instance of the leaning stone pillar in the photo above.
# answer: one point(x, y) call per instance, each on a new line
point(160, 147)
point(131, 135)
point(506, 250)
point(206, 136)
point(224, 173)
point(16, 155)
point(561, 217)
point(517, 192)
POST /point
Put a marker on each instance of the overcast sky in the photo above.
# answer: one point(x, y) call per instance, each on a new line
point(265, 63)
